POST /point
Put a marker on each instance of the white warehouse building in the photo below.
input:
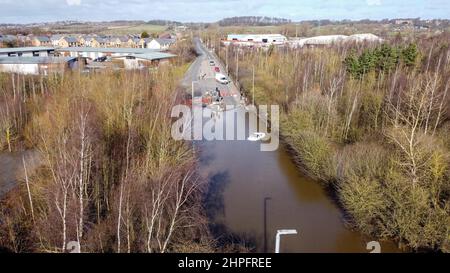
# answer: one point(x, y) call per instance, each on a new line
point(27, 52)
point(255, 39)
point(334, 39)
point(36, 65)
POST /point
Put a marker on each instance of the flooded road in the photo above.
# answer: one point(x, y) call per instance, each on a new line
point(242, 179)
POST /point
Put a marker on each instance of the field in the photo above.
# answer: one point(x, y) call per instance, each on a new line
point(122, 30)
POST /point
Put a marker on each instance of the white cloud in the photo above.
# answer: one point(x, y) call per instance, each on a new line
point(373, 2)
point(73, 2)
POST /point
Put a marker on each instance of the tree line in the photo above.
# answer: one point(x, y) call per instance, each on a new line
point(112, 178)
point(371, 122)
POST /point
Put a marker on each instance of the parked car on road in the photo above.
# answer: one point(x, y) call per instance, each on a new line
point(220, 78)
point(212, 63)
point(217, 69)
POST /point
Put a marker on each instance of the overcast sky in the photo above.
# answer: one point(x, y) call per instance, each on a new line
point(26, 11)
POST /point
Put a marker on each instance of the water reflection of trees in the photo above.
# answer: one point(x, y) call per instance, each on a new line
point(206, 156)
point(214, 205)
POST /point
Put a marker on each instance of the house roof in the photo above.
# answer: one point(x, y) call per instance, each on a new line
point(87, 38)
point(71, 39)
point(100, 39)
point(8, 38)
point(108, 50)
point(43, 39)
point(25, 49)
point(34, 60)
point(56, 37)
point(165, 41)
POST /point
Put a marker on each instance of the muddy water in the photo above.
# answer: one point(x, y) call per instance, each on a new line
point(241, 177)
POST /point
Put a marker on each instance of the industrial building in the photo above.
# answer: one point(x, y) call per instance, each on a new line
point(138, 61)
point(132, 58)
point(99, 52)
point(42, 60)
point(327, 40)
point(36, 65)
point(255, 39)
point(27, 52)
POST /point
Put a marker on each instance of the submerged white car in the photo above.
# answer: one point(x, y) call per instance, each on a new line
point(257, 137)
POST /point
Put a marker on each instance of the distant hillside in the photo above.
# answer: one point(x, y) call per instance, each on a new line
point(164, 23)
point(253, 21)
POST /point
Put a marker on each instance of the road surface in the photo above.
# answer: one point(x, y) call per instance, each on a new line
point(201, 67)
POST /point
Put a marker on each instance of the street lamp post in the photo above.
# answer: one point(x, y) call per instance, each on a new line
point(279, 234)
point(265, 222)
point(193, 82)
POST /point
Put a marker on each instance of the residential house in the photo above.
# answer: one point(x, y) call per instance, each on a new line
point(69, 42)
point(121, 41)
point(42, 41)
point(8, 40)
point(85, 40)
point(144, 42)
point(181, 28)
point(55, 39)
point(99, 42)
point(133, 42)
point(167, 35)
point(161, 44)
point(114, 42)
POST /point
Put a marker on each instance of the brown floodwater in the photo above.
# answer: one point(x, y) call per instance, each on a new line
point(241, 177)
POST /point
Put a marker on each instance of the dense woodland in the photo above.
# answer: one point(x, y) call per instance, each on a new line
point(371, 121)
point(112, 178)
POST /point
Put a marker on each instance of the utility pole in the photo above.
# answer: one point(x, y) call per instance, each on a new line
point(265, 223)
point(193, 82)
point(253, 88)
point(237, 66)
point(226, 59)
point(193, 120)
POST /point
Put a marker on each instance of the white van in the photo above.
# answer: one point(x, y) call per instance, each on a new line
point(222, 79)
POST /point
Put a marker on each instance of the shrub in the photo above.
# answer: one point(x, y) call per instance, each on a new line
point(314, 153)
point(361, 172)
point(413, 218)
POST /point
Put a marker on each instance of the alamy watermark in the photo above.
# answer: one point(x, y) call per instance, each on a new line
point(241, 123)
